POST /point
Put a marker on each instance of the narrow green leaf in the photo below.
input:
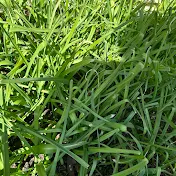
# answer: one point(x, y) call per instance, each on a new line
point(112, 150)
point(134, 168)
point(20, 80)
point(5, 150)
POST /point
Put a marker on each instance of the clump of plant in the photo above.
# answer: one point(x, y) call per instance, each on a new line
point(87, 88)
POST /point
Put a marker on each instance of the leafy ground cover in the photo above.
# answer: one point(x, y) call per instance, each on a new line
point(87, 87)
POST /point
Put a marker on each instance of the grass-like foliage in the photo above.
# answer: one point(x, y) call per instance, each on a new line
point(87, 87)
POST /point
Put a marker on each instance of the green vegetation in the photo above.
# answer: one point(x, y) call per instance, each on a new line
point(87, 87)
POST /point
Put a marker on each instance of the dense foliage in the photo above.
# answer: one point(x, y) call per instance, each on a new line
point(87, 87)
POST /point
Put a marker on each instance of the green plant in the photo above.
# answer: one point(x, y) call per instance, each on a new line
point(90, 80)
